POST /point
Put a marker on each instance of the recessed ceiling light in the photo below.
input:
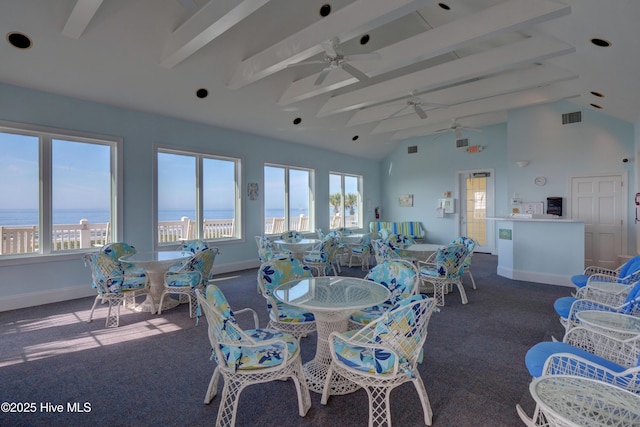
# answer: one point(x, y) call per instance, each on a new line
point(355, 138)
point(297, 121)
point(444, 6)
point(202, 93)
point(598, 94)
point(365, 39)
point(596, 106)
point(19, 40)
point(600, 42)
point(325, 10)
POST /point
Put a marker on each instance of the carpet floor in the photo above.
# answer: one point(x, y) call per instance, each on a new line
point(59, 370)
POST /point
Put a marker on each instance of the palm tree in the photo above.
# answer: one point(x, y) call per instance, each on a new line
point(351, 202)
point(335, 200)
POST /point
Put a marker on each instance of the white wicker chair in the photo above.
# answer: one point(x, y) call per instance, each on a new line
point(443, 269)
point(586, 353)
point(402, 279)
point(246, 357)
point(323, 257)
point(191, 275)
point(114, 285)
point(284, 317)
point(383, 355)
point(614, 297)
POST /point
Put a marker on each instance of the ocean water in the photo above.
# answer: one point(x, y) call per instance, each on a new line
point(73, 216)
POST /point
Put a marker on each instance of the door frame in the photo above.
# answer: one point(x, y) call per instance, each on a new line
point(461, 175)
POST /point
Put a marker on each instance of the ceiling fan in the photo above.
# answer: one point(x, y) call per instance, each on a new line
point(417, 105)
point(334, 58)
point(457, 129)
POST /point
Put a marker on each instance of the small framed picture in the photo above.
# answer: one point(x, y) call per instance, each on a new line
point(405, 200)
point(252, 190)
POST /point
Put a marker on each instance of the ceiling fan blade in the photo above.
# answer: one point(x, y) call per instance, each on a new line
point(328, 47)
point(355, 72)
point(306, 63)
point(322, 76)
point(398, 112)
point(441, 130)
point(364, 57)
point(420, 112)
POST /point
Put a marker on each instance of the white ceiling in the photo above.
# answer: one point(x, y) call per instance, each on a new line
point(471, 63)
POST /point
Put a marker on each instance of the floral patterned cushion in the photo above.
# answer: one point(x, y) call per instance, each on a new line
point(378, 360)
point(240, 353)
point(369, 314)
point(184, 279)
point(241, 357)
point(288, 313)
point(110, 276)
point(366, 359)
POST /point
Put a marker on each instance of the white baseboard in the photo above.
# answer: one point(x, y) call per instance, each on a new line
point(32, 299)
point(536, 277)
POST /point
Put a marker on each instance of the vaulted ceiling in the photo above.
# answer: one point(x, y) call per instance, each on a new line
point(353, 76)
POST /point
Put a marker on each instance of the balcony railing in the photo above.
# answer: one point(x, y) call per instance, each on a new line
point(25, 239)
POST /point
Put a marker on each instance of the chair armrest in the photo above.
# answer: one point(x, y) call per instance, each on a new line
point(254, 315)
point(612, 295)
point(593, 269)
point(624, 352)
point(570, 364)
point(432, 265)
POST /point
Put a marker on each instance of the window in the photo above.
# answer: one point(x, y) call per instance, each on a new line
point(287, 199)
point(198, 196)
point(58, 190)
point(345, 200)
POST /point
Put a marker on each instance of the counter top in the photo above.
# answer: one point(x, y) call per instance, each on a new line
point(507, 218)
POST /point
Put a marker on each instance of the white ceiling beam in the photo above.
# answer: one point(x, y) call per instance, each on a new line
point(528, 51)
point(551, 93)
point(537, 75)
point(346, 23)
point(513, 15)
point(205, 25)
point(80, 17)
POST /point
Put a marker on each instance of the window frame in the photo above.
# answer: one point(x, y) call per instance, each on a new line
point(287, 206)
point(360, 194)
point(200, 156)
point(46, 135)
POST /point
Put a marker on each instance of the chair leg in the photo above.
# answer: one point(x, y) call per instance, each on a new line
point(463, 294)
point(212, 390)
point(93, 308)
point(424, 400)
point(229, 403)
point(379, 405)
point(159, 310)
point(113, 320)
point(304, 398)
point(327, 386)
point(473, 282)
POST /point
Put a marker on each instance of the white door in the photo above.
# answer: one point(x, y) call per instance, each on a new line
point(476, 204)
point(598, 201)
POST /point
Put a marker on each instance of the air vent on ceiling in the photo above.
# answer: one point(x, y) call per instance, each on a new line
point(462, 143)
point(575, 117)
point(412, 149)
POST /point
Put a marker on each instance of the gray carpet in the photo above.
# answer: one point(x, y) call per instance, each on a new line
point(154, 370)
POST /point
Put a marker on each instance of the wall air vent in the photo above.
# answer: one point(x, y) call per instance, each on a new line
point(462, 143)
point(412, 149)
point(568, 118)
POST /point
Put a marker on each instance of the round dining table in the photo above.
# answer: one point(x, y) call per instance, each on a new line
point(421, 251)
point(297, 248)
point(572, 401)
point(156, 264)
point(332, 300)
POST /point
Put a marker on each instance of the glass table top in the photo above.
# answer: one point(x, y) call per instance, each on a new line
point(331, 293)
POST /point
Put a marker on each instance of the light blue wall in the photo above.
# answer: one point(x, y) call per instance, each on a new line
point(431, 171)
point(140, 131)
point(555, 151)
